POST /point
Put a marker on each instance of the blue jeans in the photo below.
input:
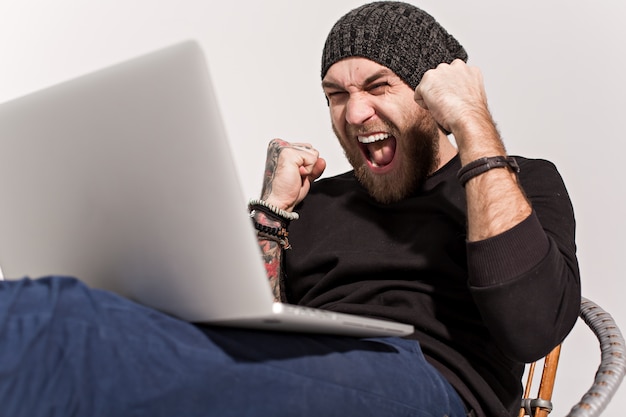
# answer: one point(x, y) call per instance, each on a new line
point(67, 350)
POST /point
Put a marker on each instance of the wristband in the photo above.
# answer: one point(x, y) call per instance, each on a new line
point(269, 209)
point(482, 165)
point(278, 234)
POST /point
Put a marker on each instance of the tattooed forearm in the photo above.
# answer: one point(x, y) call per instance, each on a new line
point(272, 252)
point(273, 150)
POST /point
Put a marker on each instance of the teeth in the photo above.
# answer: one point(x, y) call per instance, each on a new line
point(373, 138)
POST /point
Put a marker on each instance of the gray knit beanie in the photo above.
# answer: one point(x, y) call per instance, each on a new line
point(397, 35)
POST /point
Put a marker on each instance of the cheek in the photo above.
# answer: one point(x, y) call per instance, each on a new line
point(414, 117)
point(347, 145)
point(337, 117)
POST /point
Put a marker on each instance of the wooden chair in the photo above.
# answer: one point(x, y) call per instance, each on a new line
point(608, 377)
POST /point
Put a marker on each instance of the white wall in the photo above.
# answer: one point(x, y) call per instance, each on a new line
point(554, 72)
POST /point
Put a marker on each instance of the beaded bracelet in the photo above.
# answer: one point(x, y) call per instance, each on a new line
point(254, 209)
point(482, 165)
point(261, 205)
point(277, 234)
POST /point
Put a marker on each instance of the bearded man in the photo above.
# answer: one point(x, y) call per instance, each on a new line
point(455, 239)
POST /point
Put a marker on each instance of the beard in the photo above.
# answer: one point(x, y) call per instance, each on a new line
point(417, 150)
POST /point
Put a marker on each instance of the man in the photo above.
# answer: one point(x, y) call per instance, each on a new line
point(387, 240)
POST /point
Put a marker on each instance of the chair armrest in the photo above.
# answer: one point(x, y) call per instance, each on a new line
point(612, 367)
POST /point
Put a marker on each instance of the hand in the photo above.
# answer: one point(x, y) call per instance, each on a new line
point(454, 94)
point(290, 169)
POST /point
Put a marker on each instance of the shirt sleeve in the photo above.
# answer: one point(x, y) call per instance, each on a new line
point(526, 281)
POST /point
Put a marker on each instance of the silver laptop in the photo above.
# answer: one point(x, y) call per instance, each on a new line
point(124, 179)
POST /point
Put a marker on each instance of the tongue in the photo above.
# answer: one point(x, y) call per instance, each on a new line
point(382, 152)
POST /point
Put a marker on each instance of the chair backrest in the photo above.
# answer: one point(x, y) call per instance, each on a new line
point(608, 377)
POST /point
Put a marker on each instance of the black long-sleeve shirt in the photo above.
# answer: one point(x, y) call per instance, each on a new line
point(480, 309)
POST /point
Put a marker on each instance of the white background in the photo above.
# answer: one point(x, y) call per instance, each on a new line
point(554, 74)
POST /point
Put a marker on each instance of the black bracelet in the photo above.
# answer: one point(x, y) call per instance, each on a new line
point(482, 165)
point(278, 234)
point(275, 231)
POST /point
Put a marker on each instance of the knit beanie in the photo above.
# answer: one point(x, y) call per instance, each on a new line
point(397, 35)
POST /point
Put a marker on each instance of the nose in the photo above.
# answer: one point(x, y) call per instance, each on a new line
point(358, 109)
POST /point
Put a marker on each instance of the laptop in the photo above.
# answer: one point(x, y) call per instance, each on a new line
point(124, 179)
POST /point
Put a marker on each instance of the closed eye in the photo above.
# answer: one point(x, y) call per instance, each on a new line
point(336, 95)
point(378, 88)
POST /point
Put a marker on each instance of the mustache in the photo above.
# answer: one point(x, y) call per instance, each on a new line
point(374, 127)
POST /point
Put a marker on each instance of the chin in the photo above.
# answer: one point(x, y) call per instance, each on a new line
point(389, 186)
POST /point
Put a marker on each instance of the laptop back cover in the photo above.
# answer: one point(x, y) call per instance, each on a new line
point(124, 178)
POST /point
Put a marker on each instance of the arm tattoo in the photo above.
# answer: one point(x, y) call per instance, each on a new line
point(271, 163)
point(272, 256)
point(272, 253)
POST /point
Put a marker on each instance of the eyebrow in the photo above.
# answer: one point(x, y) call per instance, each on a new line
point(382, 73)
point(379, 74)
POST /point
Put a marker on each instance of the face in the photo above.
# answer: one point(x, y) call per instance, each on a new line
point(391, 142)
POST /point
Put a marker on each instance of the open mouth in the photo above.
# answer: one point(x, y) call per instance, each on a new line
point(379, 149)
